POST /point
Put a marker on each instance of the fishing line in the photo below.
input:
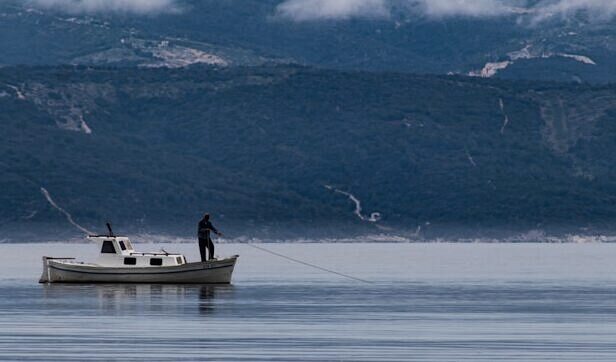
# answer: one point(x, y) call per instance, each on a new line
point(309, 264)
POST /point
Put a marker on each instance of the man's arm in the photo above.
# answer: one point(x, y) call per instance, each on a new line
point(214, 230)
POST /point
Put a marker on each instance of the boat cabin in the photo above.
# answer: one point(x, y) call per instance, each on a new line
point(118, 251)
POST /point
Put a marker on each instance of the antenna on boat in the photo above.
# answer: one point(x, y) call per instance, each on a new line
point(110, 231)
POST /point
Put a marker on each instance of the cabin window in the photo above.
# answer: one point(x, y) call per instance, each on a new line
point(156, 261)
point(129, 246)
point(122, 246)
point(179, 259)
point(108, 247)
point(130, 261)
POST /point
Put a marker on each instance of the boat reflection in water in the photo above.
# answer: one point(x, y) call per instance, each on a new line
point(138, 299)
point(207, 298)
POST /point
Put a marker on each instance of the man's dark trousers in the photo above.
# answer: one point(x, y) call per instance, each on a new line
point(206, 243)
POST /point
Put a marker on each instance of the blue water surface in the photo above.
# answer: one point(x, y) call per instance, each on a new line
point(424, 302)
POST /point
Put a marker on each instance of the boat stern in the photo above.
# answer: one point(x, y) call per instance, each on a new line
point(46, 276)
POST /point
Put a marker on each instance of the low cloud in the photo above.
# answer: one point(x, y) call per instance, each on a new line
point(537, 11)
point(463, 8)
point(306, 10)
point(596, 9)
point(108, 6)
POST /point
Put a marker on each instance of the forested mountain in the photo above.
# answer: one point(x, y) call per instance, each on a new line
point(268, 148)
point(314, 116)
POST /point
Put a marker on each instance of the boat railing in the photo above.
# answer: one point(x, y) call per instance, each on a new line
point(152, 253)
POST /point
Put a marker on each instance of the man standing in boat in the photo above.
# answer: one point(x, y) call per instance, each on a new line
point(205, 241)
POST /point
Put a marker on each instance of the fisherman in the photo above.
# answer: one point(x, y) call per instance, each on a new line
point(205, 241)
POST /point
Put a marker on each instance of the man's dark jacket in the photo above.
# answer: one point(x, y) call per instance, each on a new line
point(205, 226)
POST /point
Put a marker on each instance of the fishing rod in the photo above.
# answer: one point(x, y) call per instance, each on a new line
point(308, 264)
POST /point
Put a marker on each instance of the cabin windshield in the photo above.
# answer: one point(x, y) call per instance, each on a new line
point(108, 247)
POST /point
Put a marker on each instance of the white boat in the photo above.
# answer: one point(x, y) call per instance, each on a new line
point(118, 262)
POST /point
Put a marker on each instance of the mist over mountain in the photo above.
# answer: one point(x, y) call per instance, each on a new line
point(273, 148)
point(545, 40)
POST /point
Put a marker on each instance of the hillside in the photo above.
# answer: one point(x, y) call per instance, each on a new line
point(252, 32)
point(266, 149)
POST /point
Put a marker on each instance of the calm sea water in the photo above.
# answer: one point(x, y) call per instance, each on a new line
point(426, 302)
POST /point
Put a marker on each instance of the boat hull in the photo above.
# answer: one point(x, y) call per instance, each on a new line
point(208, 272)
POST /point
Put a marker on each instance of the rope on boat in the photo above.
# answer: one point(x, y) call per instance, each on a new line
point(309, 264)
